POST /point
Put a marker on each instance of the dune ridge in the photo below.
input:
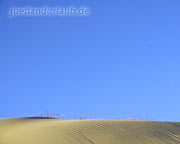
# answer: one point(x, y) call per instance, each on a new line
point(57, 131)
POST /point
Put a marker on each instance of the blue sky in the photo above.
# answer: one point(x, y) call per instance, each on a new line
point(121, 61)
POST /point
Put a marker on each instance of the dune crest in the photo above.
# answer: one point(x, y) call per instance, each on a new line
point(56, 131)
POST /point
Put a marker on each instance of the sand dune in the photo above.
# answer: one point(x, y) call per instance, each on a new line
point(55, 131)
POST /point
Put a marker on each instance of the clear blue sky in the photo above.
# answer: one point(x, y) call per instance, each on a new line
point(121, 61)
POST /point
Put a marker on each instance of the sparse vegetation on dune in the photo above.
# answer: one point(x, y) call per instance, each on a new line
point(46, 116)
point(81, 117)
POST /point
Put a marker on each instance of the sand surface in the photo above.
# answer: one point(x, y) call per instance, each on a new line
point(56, 131)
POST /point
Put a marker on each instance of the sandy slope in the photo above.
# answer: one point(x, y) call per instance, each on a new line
point(53, 131)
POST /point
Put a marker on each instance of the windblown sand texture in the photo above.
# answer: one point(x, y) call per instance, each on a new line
point(56, 131)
